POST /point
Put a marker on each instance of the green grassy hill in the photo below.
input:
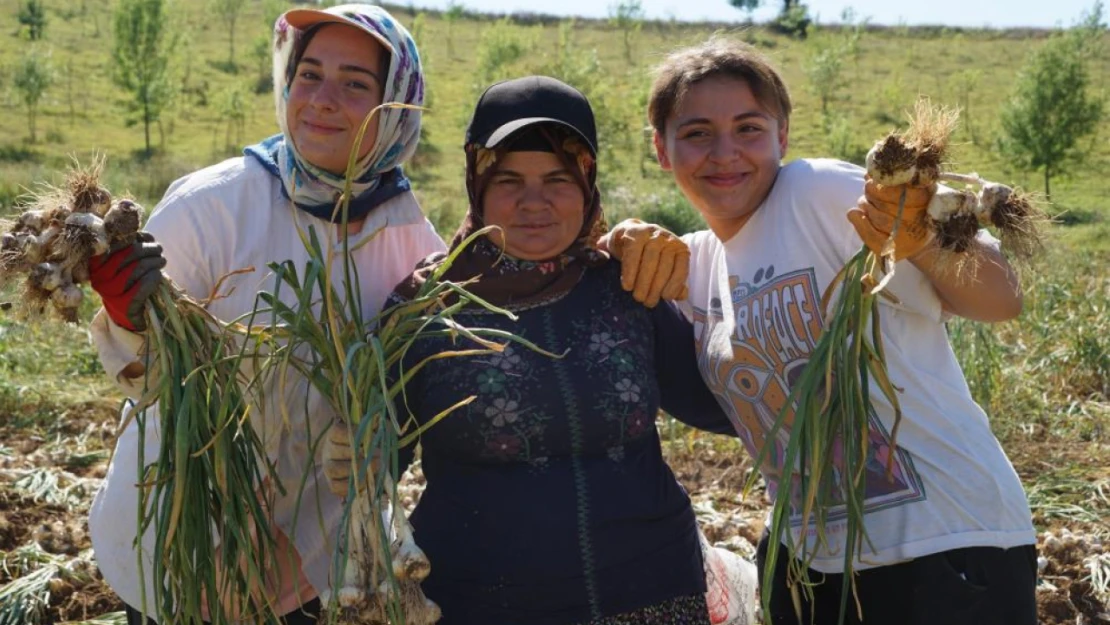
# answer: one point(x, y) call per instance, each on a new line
point(83, 114)
point(83, 111)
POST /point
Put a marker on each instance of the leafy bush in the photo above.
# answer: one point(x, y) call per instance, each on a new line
point(668, 209)
point(501, 46)
point(793, 21)
point(840, 137)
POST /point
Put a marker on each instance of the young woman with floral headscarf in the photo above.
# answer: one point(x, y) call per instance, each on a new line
point(331, 68)
point(548, 500)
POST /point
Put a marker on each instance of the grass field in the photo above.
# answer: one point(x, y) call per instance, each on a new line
point(1044, 378)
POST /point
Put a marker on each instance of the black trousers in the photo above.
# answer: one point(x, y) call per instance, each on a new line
point(307, 614)
point(971, 586)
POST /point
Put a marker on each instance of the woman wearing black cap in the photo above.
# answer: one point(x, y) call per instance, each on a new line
point(548, 500)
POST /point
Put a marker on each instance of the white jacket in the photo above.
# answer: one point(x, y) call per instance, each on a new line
point(230, 217)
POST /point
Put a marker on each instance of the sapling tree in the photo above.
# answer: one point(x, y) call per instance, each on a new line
point(793, 18)
point(501, 46)
point(233, 109)
point(141, 51)
point(260, 52)
point(419, 23)
point(966, 82)
point(32, 15)
point(452, 15)
point(581, 67)
point(628, 16)
point(825, 68)
point(32, 77)
point(853, 35)
point(68, 72)
point(260, 57)
point(1051, 109)
point(228, 12)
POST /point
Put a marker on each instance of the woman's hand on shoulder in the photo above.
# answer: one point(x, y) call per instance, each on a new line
point(654, 261)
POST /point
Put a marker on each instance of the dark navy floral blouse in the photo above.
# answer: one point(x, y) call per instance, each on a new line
point(547, 499)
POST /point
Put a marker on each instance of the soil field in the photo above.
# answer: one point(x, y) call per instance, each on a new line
point(48, 477)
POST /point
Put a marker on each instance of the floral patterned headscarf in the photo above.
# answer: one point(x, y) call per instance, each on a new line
point(503, 280)
point(378, 175)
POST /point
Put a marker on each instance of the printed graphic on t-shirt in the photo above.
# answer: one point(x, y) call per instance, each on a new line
point(758, 344)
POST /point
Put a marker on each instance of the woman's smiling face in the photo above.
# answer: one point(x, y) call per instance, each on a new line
point(724, 149)
point(537, 203)
point(337, 82)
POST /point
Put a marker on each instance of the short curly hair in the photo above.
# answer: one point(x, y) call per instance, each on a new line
point(719, 56)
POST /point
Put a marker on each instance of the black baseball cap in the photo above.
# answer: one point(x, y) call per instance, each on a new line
point(508, 106)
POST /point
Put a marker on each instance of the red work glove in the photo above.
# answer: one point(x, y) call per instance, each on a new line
point(126, 278)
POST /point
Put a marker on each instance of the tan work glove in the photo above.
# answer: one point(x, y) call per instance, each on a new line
point(874, 217)
point(654, 262)
point(338, 458)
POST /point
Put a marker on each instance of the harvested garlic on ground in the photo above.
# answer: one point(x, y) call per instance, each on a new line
point(80, 273)
point(1051, 544)
point(58, 214)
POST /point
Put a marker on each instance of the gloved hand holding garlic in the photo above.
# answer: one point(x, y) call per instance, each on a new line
point(52, 242)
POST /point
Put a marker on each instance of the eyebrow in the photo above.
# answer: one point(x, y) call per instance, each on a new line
point(741, 117)
point(344, 68)
point(561, 171)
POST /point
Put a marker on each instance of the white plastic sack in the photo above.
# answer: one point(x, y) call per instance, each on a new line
point(731, 583)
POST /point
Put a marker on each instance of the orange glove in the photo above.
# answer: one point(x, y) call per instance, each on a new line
point(337, 458)
point(654, 261)
point(338, 462)
point(875, 214)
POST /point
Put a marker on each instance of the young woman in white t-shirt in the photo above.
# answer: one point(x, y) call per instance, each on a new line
point(951, 531)
point(331, 68)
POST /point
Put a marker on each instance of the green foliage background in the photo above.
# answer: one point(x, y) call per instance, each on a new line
point(83, 112)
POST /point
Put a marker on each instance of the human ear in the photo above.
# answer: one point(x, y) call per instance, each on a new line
point(661, 150)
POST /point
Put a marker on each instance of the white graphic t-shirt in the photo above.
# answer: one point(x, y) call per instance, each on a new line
point(755, 302)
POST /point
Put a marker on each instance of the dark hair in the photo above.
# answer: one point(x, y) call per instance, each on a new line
point(300, 44)
point(719, 56)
